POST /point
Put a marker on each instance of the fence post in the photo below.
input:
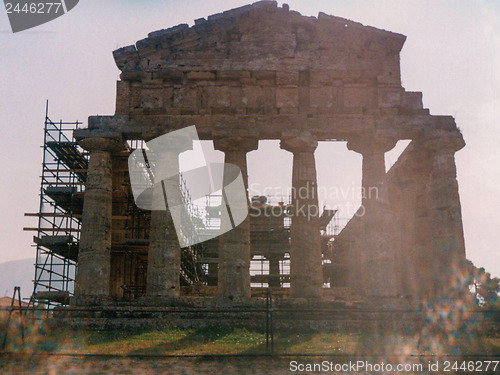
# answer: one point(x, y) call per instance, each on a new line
point(267, 320)
point(271, 325)
point(21, 323)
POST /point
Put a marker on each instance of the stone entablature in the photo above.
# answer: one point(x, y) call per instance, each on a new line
point(264, 127)
point(195, 92)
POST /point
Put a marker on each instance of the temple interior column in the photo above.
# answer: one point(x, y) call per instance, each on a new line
point(94, 254)
point(378, 258)
point(234, 246)
point(305, 248)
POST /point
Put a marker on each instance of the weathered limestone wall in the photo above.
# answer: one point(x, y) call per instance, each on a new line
point(448, 245)
point(409, 190)
point(376, 233)
point(427, 233)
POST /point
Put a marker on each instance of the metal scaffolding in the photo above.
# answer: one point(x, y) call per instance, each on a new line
point(62, 185)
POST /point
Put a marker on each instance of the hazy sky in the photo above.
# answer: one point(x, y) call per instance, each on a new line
point(452, 55)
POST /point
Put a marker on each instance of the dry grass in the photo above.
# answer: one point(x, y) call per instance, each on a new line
point(55, 345)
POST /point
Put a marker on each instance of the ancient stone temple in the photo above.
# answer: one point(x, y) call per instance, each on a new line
point(264, 72)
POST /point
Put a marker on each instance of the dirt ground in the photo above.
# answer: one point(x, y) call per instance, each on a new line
point(49, 365)
point(177, 366)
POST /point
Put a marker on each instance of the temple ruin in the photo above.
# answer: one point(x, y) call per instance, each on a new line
point(264, 72)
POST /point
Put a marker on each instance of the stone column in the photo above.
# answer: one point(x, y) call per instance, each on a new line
point(234, 246)
point(305, 248)
point(164, 254)
point(448, 248)
point(378, 257)
point(94, 255)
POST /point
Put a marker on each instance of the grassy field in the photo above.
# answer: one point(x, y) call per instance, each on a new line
point(50, 349)
point(44, 336)
point(213, 340)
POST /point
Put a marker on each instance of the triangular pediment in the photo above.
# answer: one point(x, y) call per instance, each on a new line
point(263, 36)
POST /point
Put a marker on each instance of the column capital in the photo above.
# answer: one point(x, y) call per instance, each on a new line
point(371, 144)
point(443, 145)
point(300, 143)
point(236, 144)
point(102, 144)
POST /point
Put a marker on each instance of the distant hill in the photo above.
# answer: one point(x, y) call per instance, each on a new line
point(17, 273)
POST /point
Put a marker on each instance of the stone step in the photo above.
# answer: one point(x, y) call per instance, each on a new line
point(299, 314)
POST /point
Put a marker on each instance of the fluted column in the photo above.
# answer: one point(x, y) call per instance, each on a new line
point(305, 247)
point(234, 246)
point(164, 254)
point(378, 254)
point(448, 249)
point(94, 255)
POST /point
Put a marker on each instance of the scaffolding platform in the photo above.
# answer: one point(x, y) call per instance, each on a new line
point(53, 296)
point(67, 152)
point(61, 245)
point(66, 197)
